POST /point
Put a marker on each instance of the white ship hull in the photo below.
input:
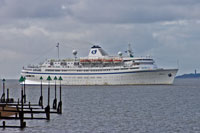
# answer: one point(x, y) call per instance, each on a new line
point(127, 77)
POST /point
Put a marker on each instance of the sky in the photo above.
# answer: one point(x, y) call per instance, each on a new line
point(167, 30)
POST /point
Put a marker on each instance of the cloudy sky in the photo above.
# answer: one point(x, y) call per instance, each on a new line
point(168, 30)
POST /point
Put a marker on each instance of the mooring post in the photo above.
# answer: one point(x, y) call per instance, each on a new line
point(7, 95)
point(18, 102)
point(24, 90)
point(55, 100)
point(21, 113)
point(49, 79)
point(3, 95)
point(59, 109)
point(41, 97)
point(31, 113)
point(4, 124)
point(47, 109)
point(3, 85)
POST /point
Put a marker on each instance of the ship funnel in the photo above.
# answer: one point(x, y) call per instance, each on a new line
point(97, 51)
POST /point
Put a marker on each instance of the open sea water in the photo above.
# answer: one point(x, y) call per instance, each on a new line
point(117, 109)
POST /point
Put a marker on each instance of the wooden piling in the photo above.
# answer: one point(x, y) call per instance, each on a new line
point(47, 111)
point(55, 100)
point(7, 95)
point(21, 113)
point(31, 113)
point(41, 96)
point(59, 109)
point(24, 96)
point(4, 124)
point(3, 95)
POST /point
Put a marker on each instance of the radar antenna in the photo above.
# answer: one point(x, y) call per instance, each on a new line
point(74, 52)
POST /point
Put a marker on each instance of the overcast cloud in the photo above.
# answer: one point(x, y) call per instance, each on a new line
point(166, 29)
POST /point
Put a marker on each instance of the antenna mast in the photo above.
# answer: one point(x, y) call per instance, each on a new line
point(58, 50)
point(129, 50)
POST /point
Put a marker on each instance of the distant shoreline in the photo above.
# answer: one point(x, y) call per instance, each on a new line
point(191, 75)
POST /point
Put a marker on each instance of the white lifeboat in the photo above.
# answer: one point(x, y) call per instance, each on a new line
point(107, 60)
point(96, 60)
point(84, 61)
point(117, 60)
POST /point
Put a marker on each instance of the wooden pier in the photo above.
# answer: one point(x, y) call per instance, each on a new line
point(15, 110)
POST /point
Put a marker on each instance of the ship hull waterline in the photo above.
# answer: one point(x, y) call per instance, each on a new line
point(143, 77)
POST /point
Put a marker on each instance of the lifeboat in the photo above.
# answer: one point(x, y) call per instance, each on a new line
point(84, 61)
point(95, 60)
point(117, 60)
point(107, 60)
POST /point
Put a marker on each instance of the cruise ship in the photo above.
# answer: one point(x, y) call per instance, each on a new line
point(99, 68)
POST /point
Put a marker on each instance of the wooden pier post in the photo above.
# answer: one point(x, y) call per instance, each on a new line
point(24, 96)
point(21, 113)
point(41, 97)
point(7, 95)
point(59, 109)
point(4, 124)
point(47, 109)
point(3, 95)
point(55, 100)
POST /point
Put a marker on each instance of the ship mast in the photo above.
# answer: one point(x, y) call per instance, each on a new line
point(58, 50)
point(129, 50)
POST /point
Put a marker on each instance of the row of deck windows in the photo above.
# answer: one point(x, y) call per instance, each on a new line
point(94, 70)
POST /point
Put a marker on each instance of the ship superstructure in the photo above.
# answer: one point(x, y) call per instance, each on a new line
point(99, 68)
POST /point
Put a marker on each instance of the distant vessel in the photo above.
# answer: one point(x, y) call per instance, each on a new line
point(99, 68)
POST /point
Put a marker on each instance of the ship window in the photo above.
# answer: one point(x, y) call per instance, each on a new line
point(30, 75)
point(36, 69)
point(135, 68)
point(124, 68)
point(51, 70)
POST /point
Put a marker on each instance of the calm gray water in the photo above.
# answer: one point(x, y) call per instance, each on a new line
point(119, 109)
